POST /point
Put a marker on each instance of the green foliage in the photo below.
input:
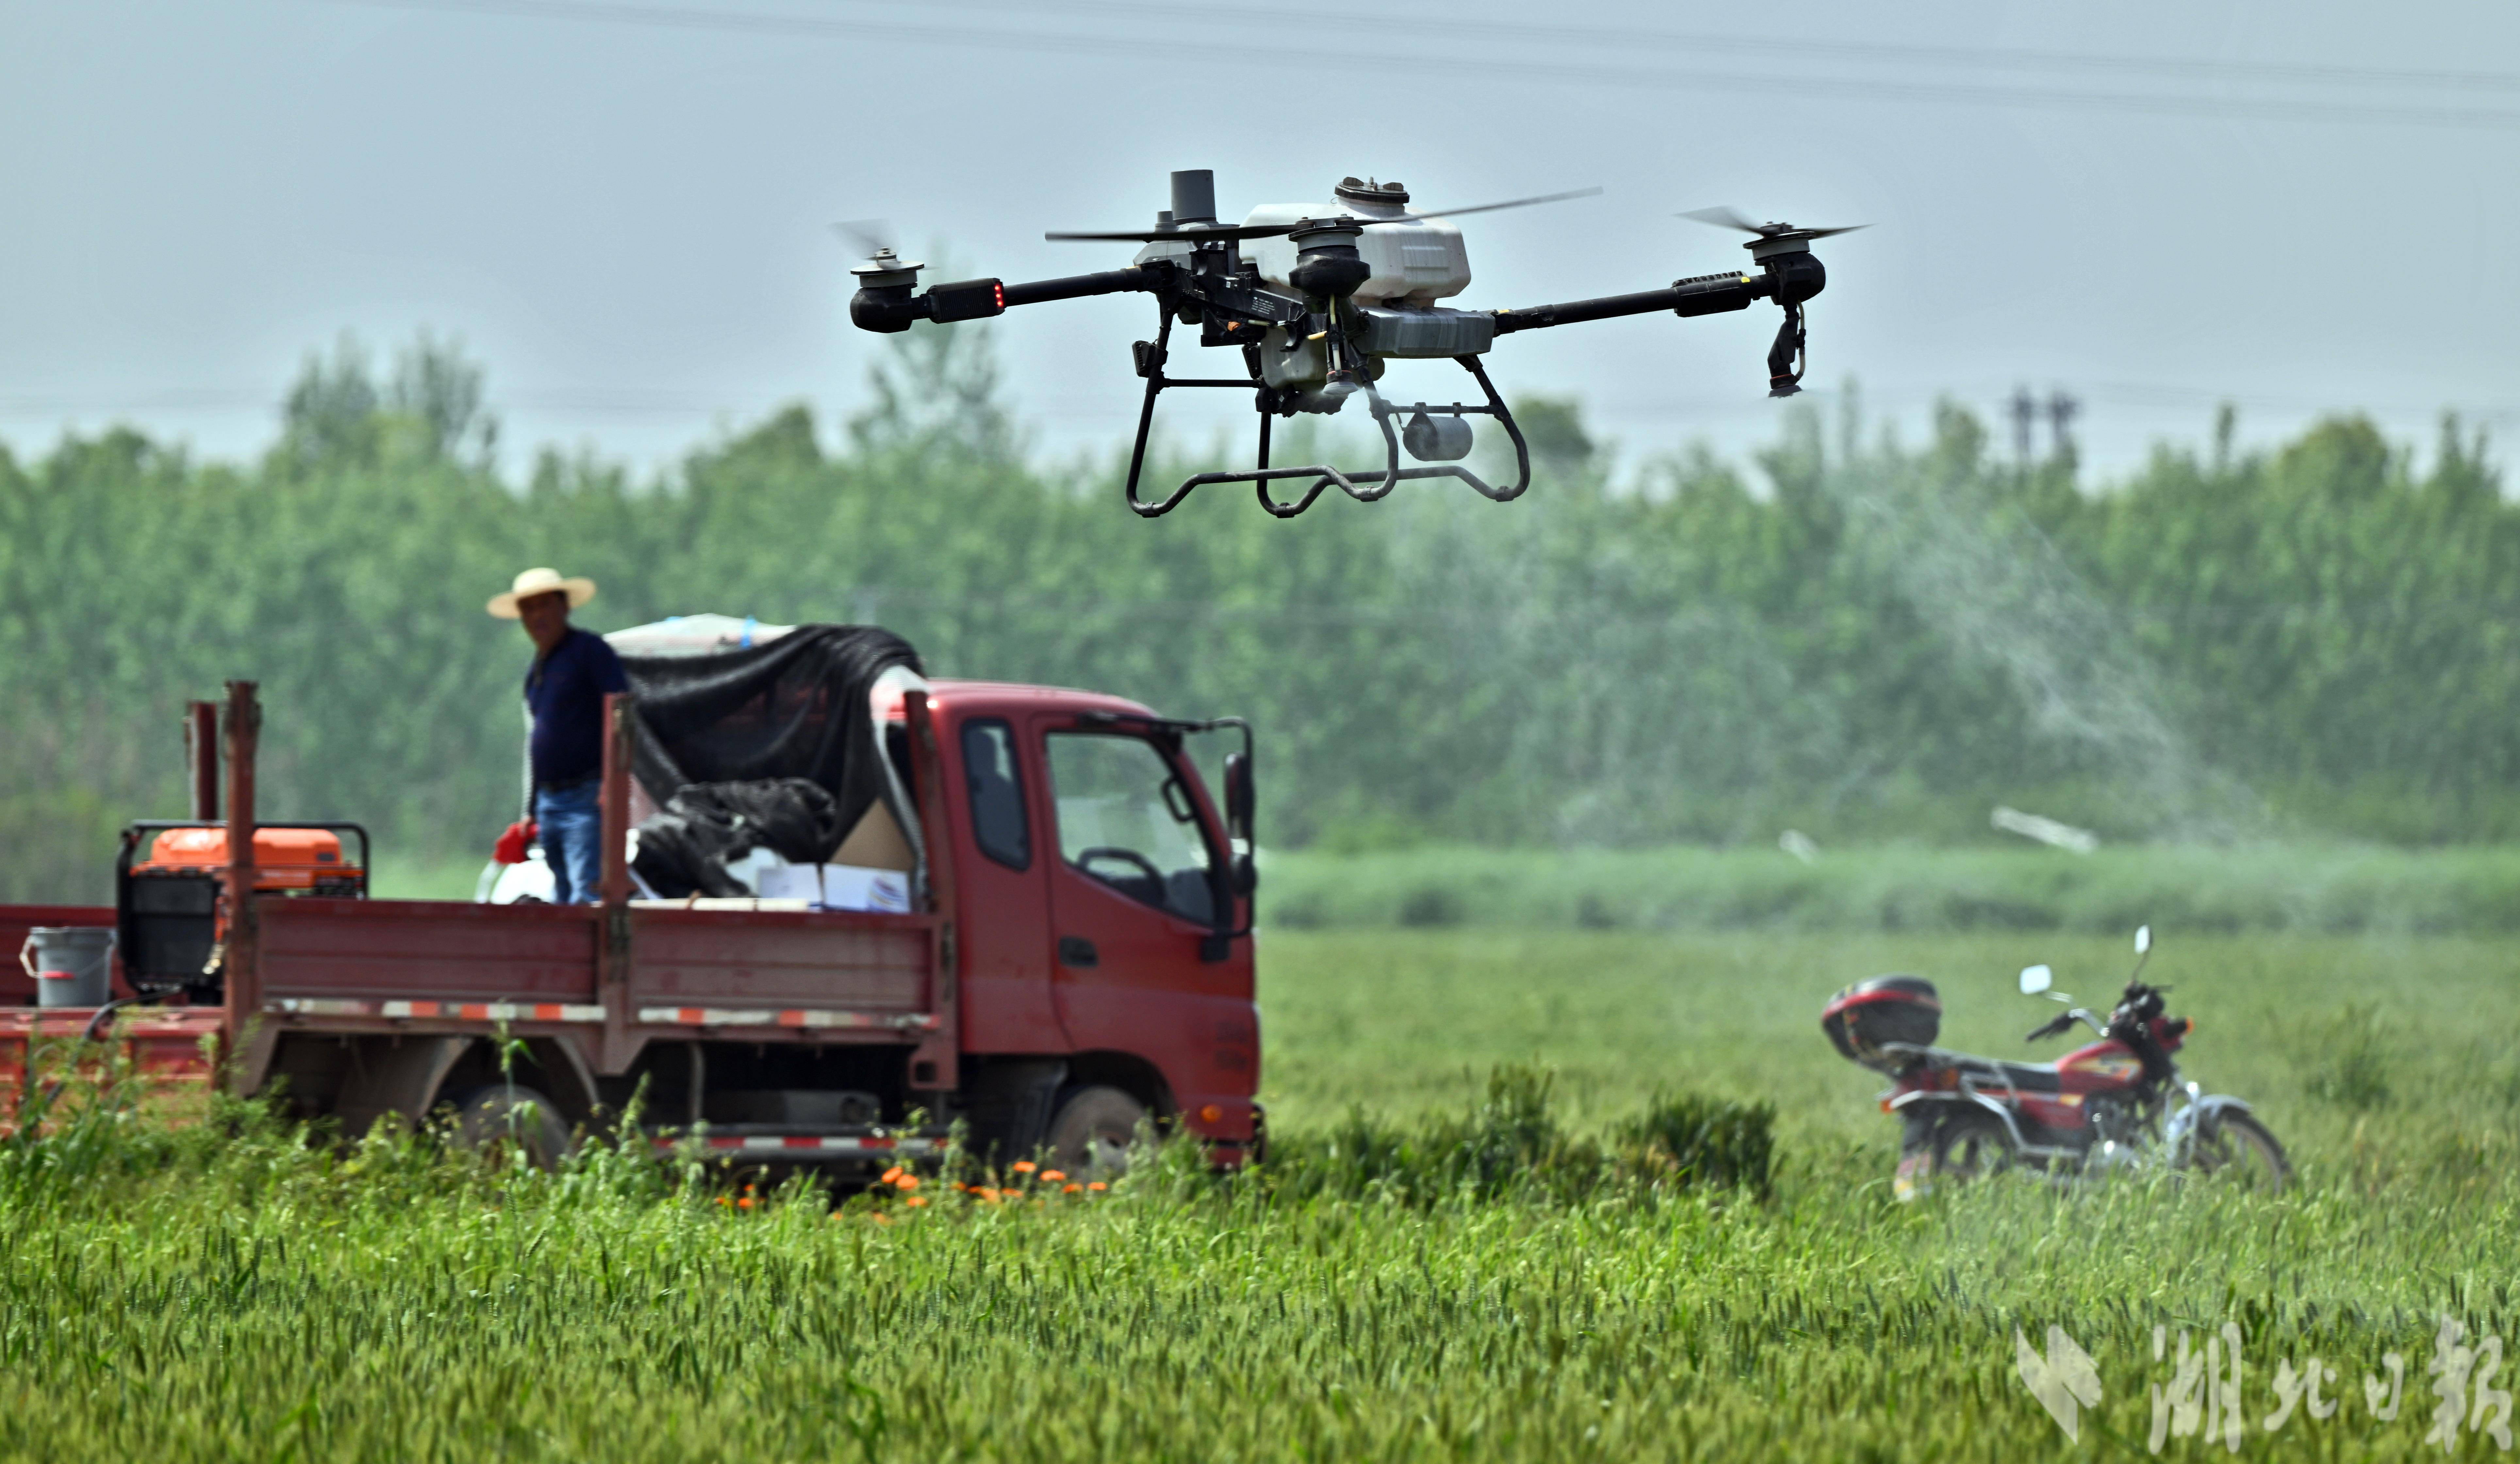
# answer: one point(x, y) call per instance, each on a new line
point(1510, 1144)
point(2309, 888)
point(1702, 1140)
point(1859, 640)
point(234, 1292)
point(2355, 1060)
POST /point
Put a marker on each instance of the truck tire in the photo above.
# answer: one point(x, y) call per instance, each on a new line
point(1090, 1133)
point(518, 1118)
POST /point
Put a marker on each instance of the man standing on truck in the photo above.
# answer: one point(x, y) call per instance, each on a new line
point(564, 691)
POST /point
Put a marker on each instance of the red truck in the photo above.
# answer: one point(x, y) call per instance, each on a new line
point(1078, 960)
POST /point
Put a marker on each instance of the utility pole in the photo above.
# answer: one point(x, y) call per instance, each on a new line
point(2061, 411)
point(2025, 411)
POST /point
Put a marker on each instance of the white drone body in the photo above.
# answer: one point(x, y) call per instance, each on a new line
point(1415, 261)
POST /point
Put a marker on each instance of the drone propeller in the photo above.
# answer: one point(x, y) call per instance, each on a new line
point(872, 238)
point(1219, 233)
point(1191, 232)
point(1546, 198)
point(1773, 238)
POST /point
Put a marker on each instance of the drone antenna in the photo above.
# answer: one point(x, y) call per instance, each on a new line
point(1195, 195)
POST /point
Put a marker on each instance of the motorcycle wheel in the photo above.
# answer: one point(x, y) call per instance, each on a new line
point(1955, 1150)
point(2237, 1149)
point(1971, 1146)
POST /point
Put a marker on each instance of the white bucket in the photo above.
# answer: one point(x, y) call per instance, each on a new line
point(72, 964)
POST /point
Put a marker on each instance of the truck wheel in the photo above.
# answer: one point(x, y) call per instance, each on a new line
point(1090, 1133)
point(518, 1118)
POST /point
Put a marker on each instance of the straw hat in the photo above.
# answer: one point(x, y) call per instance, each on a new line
point(541, 581)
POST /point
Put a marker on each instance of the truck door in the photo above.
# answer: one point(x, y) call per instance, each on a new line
point(1130, 892)
point(1006, 988)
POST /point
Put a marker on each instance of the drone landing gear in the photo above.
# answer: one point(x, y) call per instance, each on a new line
point(1364, 488)
point(1787, 359)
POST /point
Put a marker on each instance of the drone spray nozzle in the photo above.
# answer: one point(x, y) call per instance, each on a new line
point(1194, 195)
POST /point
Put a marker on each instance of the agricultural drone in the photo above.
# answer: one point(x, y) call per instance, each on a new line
point(1322, 297)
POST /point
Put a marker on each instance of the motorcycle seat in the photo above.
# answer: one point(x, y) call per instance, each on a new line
point(2036, 1077)
point(1995, 1072)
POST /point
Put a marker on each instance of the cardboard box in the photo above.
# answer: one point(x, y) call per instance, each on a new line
point(837, 887)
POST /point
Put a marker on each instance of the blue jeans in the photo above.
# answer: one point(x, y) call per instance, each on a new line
point(571, 829)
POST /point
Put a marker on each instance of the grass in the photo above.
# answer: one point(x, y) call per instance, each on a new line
point(2340, 889)
point(230, 1292)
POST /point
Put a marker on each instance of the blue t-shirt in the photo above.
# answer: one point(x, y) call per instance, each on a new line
point(564, 691)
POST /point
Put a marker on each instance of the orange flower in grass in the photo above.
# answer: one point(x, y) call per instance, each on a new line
point(913, 1201)
point(1052, 1176)
point(906, 1182)
point(1097, 1186)
point(891, 1175)
point(1023, 1166)
point(1073, 1189)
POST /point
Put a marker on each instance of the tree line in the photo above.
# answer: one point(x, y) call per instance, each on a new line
point(1852, 636)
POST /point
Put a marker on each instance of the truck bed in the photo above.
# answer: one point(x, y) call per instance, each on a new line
point(445, 962)
point(438, 967)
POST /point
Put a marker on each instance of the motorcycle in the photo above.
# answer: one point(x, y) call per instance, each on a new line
point(2116, 1104)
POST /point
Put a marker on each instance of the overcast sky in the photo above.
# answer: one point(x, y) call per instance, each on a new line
point(623, 207)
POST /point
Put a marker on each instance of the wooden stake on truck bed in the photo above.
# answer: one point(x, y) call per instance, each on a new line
point(242, 964)
point(613, 931)
point(201, 758)
point(936, 1062)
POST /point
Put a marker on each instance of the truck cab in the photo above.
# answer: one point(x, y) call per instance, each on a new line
point(1114, 941)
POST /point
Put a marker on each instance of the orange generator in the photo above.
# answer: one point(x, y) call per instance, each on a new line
point(169, 876)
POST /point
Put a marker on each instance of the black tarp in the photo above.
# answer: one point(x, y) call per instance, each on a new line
point(685, 848)
point(796, 707)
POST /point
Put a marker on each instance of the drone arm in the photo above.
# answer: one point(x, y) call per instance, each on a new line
point(1077, 287)
point(892, 308)
point(1704, 294)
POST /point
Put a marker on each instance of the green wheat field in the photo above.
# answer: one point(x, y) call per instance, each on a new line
point(1523, 1205)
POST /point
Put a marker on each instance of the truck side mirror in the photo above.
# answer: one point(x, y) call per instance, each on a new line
point(1239, 797)
point(1241, 875)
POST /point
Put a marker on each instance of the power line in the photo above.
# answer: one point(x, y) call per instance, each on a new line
point(1249, 57)
point(1629, 38)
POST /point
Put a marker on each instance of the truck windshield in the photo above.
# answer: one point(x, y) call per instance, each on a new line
point(1126, 819)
